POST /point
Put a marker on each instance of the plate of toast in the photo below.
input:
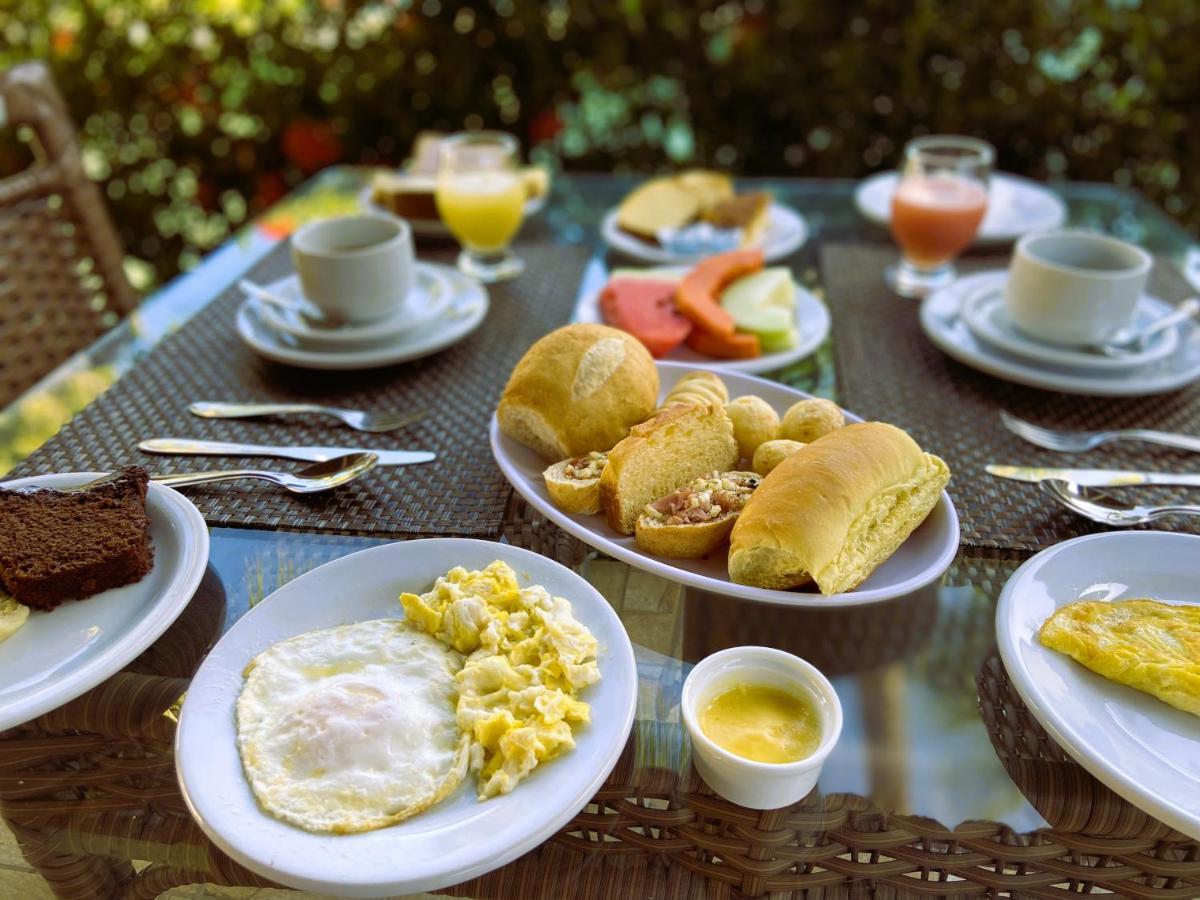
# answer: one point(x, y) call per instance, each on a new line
point(682, 218)
point(722, 482)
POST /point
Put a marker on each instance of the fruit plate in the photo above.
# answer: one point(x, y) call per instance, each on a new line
point(60, 654)
point(812, 324)
point(1142, 748)
point(920, 561)
point(454, 840)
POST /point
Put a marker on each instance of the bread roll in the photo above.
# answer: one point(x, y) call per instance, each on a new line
point(771, 453)
point(754, 422)
point(660, 456)
point(579, 388)
point(835, 512)
point(807, 420)
point(696, 387)
point(574, 484)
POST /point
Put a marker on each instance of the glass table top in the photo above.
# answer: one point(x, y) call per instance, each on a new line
point(913, 742)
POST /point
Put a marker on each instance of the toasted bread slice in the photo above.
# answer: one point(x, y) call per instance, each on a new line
point(661, 455)
point(574, 484)
point(693, 521)
point(749, 212)
point(708, 187)
point(659, 203)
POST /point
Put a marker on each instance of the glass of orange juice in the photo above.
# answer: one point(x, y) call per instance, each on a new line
point(481, 199)
point(936, 210)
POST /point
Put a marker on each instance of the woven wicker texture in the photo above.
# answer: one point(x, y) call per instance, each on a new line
point(61, 279)
point(887, 369)
point(461, 493)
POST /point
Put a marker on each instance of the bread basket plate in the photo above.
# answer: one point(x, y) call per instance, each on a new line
point(436, 228)
point(920, 561)
point(786, 232)
point(1139, 746)
point(60, 654)
point(454, 840)
point(812, 324)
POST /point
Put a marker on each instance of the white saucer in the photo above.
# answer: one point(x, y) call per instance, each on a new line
point(429, 298)
point(436, 228)
point(468, 308)
point(942, 322)
point(984, 312)
point(812, 324)
point(1016, 206)
point(786, 233)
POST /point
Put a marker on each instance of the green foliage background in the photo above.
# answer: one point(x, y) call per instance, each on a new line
point(197, 115)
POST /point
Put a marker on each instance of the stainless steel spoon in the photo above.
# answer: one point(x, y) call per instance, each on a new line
point(314, 319)
point(1127, 341)
point(322, 476)
point(1101, 508)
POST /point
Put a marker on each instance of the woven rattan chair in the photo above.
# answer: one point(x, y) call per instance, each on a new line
point(61, 279)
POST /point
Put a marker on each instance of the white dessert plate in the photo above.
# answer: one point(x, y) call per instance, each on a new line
point(942, 321)
point(429, 298)
point(984, 312)
point(455, 840)
point(467, 309)
point(436, 228)
point(812, 324)
point(60, 654)
point(1142, 748)
point(920, 561)
point(786, 233)
point(1016, 206)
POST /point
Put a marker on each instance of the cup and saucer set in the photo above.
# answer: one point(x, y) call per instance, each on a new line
point(358, 299)
point(1070, 314)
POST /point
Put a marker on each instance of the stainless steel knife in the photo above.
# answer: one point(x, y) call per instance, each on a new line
point(189, 447)
point(1095, 477)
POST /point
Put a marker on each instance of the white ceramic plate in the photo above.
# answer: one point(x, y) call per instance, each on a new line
point(785, 234)
point(61, 654)
point(458, 838)
point(1146, 751)
point(942, 322)
point(921, 560)
point(430, 297)
point(467, 310)
point(812, 323)
point(1016, 206)
point(436, 228)
point(984, 312)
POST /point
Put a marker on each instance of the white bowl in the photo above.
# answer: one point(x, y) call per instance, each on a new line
point(758, 785)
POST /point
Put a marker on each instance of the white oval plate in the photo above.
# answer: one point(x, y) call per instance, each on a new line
point(921, 560)
point(1146, 751)
point(984, 312)
point(785, 234)
point(67, 651)
point(430, 297)
point(468, 308)
point(436, 228)
point(942, 322)
point(459, 838)
point(812, 324)
point(1016, 206)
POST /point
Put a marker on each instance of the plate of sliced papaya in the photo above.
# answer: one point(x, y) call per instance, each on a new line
point(727, 312)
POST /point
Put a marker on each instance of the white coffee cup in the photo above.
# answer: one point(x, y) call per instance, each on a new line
point(355, 268)
point(1074, 287)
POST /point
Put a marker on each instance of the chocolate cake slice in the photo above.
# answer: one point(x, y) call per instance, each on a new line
point(67, 545)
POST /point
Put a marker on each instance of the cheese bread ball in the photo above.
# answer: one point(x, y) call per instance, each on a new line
point(772, 453)
point(754, 421)
point(810, 419)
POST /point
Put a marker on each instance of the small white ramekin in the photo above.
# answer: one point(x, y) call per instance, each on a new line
point(758, 785)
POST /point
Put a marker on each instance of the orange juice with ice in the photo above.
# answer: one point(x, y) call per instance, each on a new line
point(482, 209)
point(935, 217)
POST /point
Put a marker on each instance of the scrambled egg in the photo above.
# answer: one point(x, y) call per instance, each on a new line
point(1147, 645)
point(527, 657)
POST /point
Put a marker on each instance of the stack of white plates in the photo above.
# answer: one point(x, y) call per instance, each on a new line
point(443, 307)
point(969, 322)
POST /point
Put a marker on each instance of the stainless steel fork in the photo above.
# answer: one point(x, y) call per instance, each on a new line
point(356, 419)
point(1078, 441)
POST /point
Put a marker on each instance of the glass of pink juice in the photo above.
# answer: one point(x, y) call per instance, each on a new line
point(939, 202)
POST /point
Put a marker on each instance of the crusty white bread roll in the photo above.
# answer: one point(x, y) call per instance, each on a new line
point(700, 386)
point(835, 512)
point(579, 388)
point(662, 454)
point(694, 520)
point(574, 484)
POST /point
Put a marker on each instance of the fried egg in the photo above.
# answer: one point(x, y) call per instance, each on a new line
point(1147, 645)
point(352, 728)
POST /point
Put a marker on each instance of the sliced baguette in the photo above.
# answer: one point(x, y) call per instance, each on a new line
point(692, 540)
point(661, 455)
point(571, 493)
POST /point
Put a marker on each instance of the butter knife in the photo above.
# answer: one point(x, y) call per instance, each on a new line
point(189, 447)
point(1095, 477)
